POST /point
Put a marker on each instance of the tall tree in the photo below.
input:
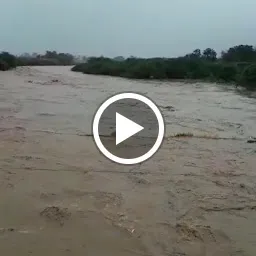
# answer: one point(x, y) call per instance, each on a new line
point(243, 53)
point(210, 54)
point(197, 53)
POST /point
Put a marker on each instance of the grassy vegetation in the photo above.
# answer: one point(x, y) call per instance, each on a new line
point(237, 65)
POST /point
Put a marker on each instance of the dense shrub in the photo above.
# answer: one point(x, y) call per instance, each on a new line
point(226, 73)
point(234, 66)
point(3, 65)
point(248, 77)
point(23, 61)
point(178, 68)
point(7, 61)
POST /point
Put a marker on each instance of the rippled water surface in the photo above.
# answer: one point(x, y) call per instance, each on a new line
point(60, 196)
point(198, 108)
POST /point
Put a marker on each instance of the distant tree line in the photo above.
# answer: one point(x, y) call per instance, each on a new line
point(50, 58)
point(236, 65)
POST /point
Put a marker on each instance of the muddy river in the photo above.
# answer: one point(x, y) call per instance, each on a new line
point(60, 196)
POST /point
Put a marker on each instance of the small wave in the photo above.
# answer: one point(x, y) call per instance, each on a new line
point(46, 114)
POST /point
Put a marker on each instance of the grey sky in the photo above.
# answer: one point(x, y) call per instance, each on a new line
point(125, 27)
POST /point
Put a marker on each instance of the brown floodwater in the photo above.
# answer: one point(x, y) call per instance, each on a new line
point(60, 196)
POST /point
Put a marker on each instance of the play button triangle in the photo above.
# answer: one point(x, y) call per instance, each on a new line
point(125, 128)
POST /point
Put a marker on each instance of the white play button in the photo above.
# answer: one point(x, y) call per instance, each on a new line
point(125, 128)
point(128, 128)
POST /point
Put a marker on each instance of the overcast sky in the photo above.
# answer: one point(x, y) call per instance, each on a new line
point(143, 28)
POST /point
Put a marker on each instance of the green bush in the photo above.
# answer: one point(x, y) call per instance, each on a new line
point(7, 61)
point(248, 77)
point(176, 68)
point(227, 73)
point(22, 61)
point(3, 65)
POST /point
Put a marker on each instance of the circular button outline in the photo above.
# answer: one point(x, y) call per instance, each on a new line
point(145, 100)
